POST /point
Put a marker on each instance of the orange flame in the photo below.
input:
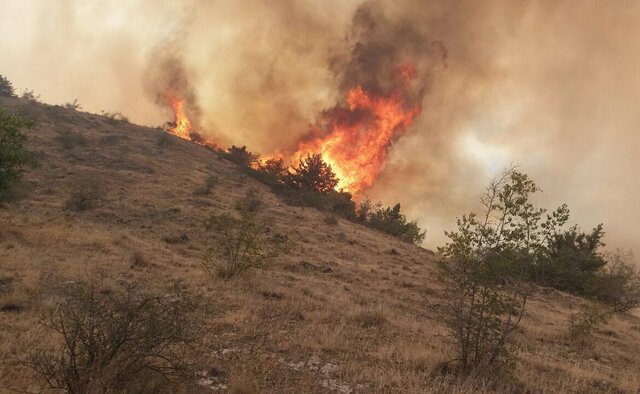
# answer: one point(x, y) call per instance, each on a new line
point(182, 126)
point(358, 138)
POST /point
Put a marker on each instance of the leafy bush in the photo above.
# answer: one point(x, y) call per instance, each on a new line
point(314, 174)
point(273, 169)
point(391, 221)
point(6, 87)
point(570, 259)
point(207, 186)
point(241, 244)
point(14, 156)
point(85, 194)
point(617, 283)
point(110, 339)
point(485, 271)
point(582, 323)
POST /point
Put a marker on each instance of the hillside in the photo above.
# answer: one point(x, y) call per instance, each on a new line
point(347, 309)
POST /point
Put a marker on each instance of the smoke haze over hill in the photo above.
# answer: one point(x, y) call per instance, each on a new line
point(552, 85)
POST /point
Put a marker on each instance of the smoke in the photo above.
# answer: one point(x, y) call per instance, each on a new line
point(551, 85)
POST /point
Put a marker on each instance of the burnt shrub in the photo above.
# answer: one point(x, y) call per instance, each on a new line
point(31, 96)
point(111, 338)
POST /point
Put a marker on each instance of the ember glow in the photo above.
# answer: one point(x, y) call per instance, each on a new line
point(355, 139)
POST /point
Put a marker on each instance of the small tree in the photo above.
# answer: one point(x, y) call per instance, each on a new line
point(274, 169)
point(6, 87)
point(485, 271)
point(313, 173)
point(14, 156)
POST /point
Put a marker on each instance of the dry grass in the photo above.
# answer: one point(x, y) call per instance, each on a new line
point(347, 307)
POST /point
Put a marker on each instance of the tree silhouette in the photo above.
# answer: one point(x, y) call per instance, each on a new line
point(6, 88)
point(313, 173)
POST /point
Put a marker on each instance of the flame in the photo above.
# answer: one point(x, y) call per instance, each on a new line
point(182, 126)
point(356, 137)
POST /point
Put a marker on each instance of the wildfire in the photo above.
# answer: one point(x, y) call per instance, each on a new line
point(182, 126)
point(356, 137)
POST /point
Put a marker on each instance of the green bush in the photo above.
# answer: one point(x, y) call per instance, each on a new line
point(6, 87)
point(570, 259)
point(486, 269)
point(110, 339)
point(617, 283)
point(391, 221)
point(14, 156)
point(241, 243)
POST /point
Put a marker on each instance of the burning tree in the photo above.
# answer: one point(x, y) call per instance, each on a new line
point(313, 173)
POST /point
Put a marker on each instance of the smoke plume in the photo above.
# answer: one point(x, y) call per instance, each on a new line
point(551, 85)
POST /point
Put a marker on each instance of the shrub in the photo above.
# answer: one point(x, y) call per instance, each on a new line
point(207, 186)
point(14, 156)
point(391, 221)
point(570, 259)
point(115, 117)
point(6, 87)
point(273, 170)
point(69, 139)
point(314, 174)
point(485, 271)
point(109, 339)
point(582, 323)
point(240, 155)
point(242, 244)
point(31, 96)
point(617, 283)
point(75, 105)
point(85, 194)
point(330, 219)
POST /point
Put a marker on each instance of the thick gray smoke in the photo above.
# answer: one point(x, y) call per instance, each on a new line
point(552, 85)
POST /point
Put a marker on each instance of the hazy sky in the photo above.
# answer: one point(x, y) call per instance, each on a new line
point(551, 85)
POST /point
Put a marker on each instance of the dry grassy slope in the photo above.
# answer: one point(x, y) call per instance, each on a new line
point(347, 309)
